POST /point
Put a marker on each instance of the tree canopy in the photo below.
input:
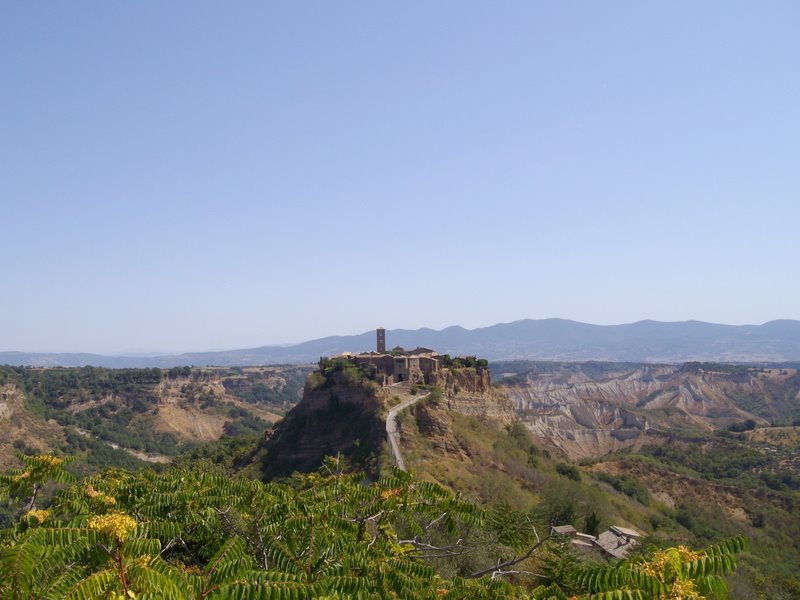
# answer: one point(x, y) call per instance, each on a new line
point(186, 534)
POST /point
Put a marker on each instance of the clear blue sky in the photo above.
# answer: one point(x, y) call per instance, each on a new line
point(204, 175)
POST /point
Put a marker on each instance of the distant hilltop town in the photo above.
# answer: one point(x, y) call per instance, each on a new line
point(416, 366)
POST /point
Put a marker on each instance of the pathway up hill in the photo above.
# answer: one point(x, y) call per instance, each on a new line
point(345, 407)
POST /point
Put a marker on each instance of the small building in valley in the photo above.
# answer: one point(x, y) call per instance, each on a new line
point(615, 542)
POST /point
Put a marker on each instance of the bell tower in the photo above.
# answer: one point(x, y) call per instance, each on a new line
point(381, 340)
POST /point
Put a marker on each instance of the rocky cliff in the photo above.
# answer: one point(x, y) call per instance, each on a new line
point(339, 417)
point(470, 392)
point(342, 413)
point(463, 391)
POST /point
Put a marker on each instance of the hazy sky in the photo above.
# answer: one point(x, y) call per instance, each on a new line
point(205, 175)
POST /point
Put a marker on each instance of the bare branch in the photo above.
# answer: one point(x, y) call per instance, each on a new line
point(423, 546)
point(445, 554)
point(369, 518)
point(513, 561)
point(435, 521)
point(497, 574)
point(33, 498)
point(175, 542)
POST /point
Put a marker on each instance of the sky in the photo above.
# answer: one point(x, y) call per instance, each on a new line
point(191, 176)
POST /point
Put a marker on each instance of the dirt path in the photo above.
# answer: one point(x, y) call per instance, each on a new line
point(391, 428)
point(147, 457)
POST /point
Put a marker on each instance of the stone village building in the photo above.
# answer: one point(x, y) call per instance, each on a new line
point(414, 366)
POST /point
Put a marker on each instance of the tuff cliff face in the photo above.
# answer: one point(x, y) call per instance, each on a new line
point(453, 381)
point(470, 392)
point(464, 391)
point(341, 417)
point(586, 413)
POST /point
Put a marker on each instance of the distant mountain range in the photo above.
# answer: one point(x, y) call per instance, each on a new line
point(544, 339)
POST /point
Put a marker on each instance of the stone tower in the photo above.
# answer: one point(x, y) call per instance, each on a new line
point(381, 340)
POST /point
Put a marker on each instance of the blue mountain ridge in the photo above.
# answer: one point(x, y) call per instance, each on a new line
point(528, 339)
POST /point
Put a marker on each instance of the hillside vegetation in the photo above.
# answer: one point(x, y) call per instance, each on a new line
point(128, 417)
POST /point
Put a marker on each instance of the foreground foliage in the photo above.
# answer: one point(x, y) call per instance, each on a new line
point(674, 573)
point(184, 534)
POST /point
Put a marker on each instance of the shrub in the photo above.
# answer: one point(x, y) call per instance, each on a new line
point(569, 471)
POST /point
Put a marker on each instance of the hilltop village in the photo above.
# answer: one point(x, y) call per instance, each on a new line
point(417, 366)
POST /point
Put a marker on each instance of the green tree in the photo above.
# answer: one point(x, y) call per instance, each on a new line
point(189, 535)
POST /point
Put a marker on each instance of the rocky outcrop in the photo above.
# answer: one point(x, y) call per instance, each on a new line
point(346, 417)
point(626, 389)
point(341, 418)
point(471, 380)
point(464, 391)
point(470, 392)
point(434, 423)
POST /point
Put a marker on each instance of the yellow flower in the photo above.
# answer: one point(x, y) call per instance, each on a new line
point(385, 495)
point(40, 516)
point(20, 477)
point(656, 566)
point(687, 555)
point(100, 497)
point(684, 590)
point(117, 525)
point(48, 459)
